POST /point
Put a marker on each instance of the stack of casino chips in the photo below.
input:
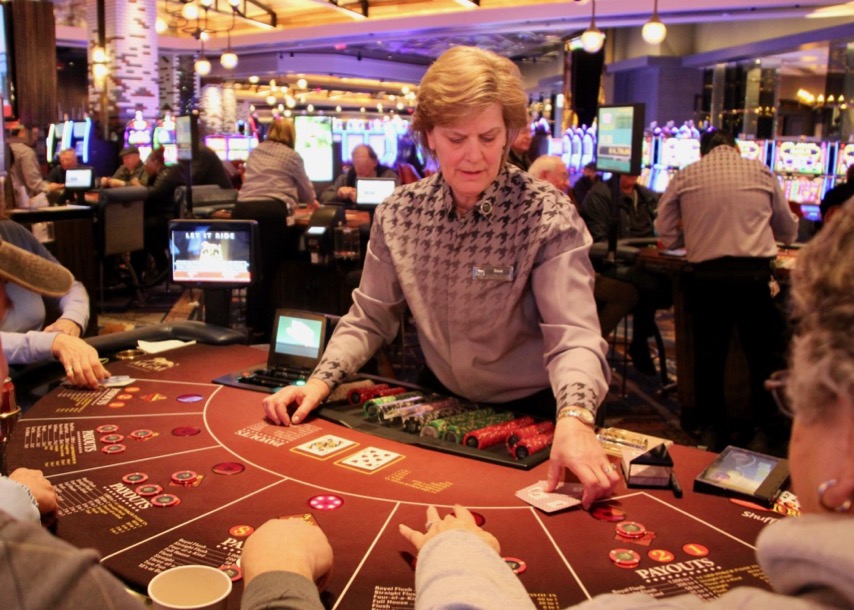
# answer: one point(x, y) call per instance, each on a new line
point(543, 427)
point(531, 445)
point(454, 428)
point(360, 395)
point(415, 421)
point(392, 411)
point(371, 407)
point(495, 434)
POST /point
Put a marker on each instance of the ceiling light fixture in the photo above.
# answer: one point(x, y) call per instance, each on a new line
point(229, 59)
point(654, 31)
point(468, 3)
point(593, 38)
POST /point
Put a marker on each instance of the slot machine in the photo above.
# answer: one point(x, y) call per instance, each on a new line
point(218, 144)
point(58, 138)
point(575, 149)
point(588, 145)
point(138, 133)
point(164, 137)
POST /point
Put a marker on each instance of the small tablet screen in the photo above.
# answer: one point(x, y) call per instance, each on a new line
point(372, 191)
point(80, 179)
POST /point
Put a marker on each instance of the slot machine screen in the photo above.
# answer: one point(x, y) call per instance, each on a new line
point(752, 149)
point(844, 158)
point(679, 152)
point(800, 158)
point(314, 144)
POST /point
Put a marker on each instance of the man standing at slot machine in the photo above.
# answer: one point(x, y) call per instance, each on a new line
point(728, 213)
point(494, 267)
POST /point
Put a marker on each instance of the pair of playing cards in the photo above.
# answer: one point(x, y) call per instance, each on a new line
point(368, 460)
point(565, 496)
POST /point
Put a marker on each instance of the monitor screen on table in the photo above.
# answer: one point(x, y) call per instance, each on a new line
point(214, 253)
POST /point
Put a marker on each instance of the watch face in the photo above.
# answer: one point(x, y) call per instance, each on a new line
point(582, 414)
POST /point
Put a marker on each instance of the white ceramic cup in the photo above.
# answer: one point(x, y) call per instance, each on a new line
point(190, 587)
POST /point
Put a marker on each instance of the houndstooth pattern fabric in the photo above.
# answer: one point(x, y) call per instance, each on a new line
point(501, 296)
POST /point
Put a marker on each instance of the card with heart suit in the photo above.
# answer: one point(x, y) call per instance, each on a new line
point(566, 495)
point(324, 446)
point(370, 459)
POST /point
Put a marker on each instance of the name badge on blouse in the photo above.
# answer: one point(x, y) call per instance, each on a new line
point(492, 273)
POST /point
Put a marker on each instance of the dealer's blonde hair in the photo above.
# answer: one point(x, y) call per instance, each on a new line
point(463, 82)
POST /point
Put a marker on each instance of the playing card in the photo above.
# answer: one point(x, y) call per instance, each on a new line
point(324, 446)
point(370, 459)
point(117, 381)
point(566, 495)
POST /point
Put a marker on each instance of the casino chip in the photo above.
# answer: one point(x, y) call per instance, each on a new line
point(228, 468)
point(124, 396)
point(326, 502)
point(149, 490)
point(184, 477)
point(189, 398)
point(116, 404)
point(114, 449)
point(517, 565)
point(611, 514)
point(165, 500)
point(135, 478)
point(186, 431)
point(624, 558)
point(112, 439)
point(107, 428)
point(479, 519)
point(141, 435)
point(233, 571)
point(630, 529)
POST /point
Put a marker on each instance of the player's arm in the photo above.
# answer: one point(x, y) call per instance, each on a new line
point(668, 220)
point(75, 312)
point(41, 490)
point(81, 361)
point(285, 562)
point(304, 399)
point(460, 566)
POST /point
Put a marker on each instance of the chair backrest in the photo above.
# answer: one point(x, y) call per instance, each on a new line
point(276, 241)
point(205, 198)
point(121, 214)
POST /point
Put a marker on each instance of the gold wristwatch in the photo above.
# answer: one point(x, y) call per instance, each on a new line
point(582, 415)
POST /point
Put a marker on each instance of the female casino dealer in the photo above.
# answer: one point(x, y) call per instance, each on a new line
point(807, 559)
point(494, 268)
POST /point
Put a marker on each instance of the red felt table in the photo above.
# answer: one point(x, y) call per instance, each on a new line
point(566, 553)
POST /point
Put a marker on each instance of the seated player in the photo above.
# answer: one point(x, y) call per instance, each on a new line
point(366, 164)
point(56, 176)
point(807, 559)
point(131, 169)
point(281, 562)
point(23, 338)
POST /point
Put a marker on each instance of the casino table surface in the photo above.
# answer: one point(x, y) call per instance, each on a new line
point(358, 487)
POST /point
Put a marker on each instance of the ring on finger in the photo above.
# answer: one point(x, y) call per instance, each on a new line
point(429, 524)
point(608, 469)
point(69, 371)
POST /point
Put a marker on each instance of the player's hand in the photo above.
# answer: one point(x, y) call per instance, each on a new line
point(460, 519)
point(306, 398)
point(66, 326)
point(576, 447)
point(347, 192)
point(40, 487)
point(292, 545)
point(82, 364)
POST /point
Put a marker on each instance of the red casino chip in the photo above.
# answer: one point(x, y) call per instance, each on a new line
point(112, 439)
point(186, 431)
point(228, 468)
point(326, 502)
point(141, 435)
point(114, 449)
point(184, 477)
point(165, 500)
point(233, 571)
point(517, 565)
point(611, 514)
point(149, 490)
point(630, 529)
point(624, 558)
point(107, 428)
point(135, 478)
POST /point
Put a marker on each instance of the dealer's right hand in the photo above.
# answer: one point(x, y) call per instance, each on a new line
point(306, 398)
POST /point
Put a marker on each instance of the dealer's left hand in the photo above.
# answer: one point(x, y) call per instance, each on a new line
point(576, 447)
point(65, 326)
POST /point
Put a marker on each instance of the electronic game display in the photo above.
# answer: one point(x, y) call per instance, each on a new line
point(80, 179)
point(679, 152)
point(314, 144)
point(215, 253)
point(372, 191)
point(800, 158)
point(619, 147)
point(844, 158)
point(752, 149)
